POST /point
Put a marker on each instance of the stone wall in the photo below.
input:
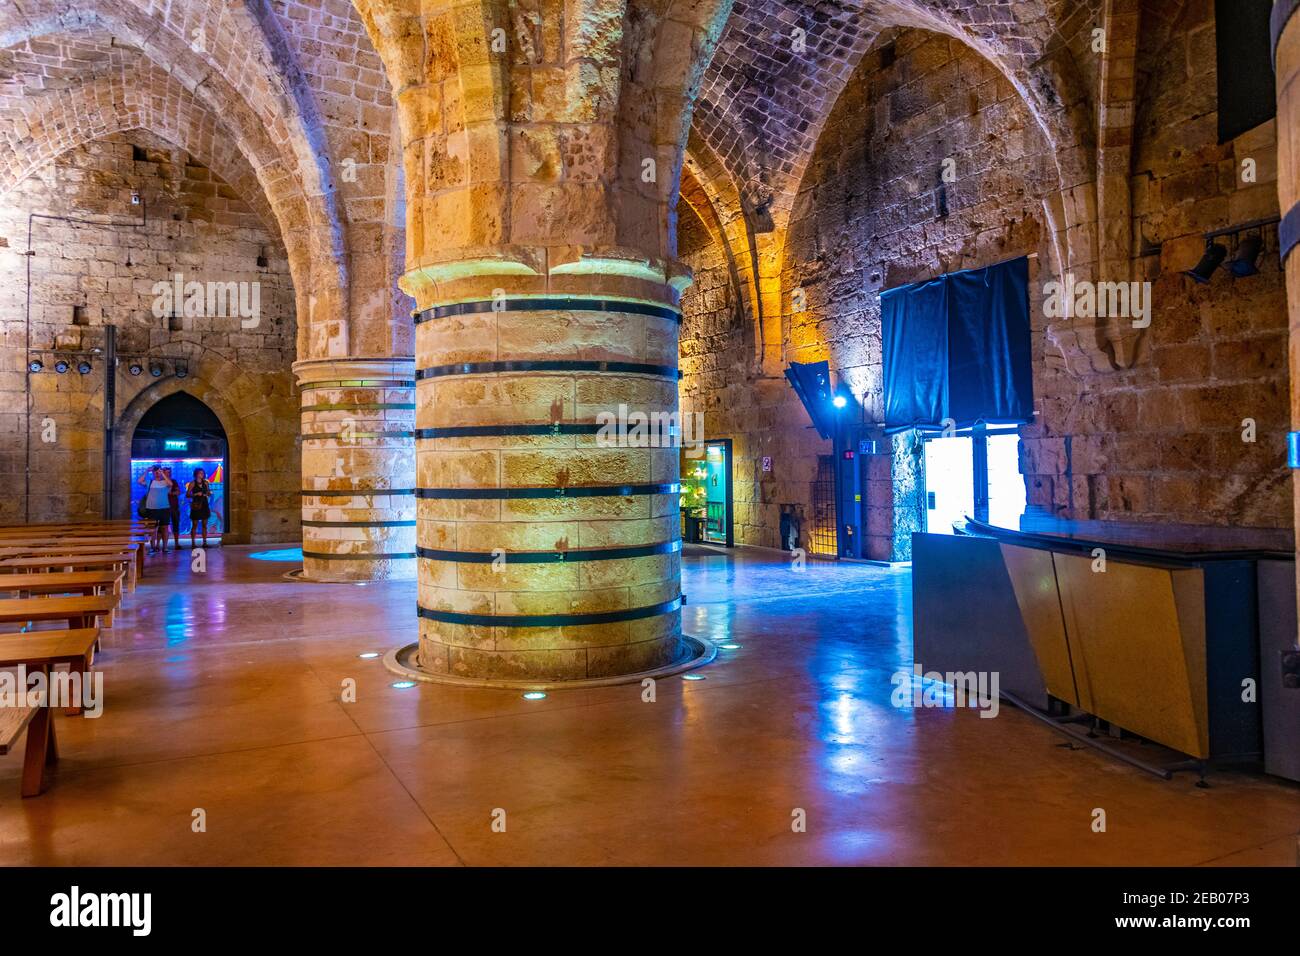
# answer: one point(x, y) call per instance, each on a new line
point(1158, 441)
point(85, 276)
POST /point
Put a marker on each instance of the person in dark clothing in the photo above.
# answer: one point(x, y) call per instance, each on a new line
point(174, 511)
point(199, 493)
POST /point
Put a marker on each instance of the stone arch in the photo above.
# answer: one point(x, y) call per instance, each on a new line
point(1051, 94)
point(237, 74)
point(231, 420)
point(439, 44)
point(666, 46)
point(714, 186)
point(154, 101)
point(1034, 56)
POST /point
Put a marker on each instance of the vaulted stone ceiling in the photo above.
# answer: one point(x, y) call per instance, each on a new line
point(299, 90)
point(782, 64)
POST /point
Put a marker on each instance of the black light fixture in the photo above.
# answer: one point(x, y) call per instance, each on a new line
point(135, 368)
point(155, 369)
point(1214, 256)
point(182, 369)
point(84, 367)
point(35, 365)
point(262, 261)
point(61, 366)
point(1245, 262)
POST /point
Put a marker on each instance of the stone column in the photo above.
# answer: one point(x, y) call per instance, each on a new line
point(1286, 43)
point(542, 150)
point(358, 468)
point(548, 548)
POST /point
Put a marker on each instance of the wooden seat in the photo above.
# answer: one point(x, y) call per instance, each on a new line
point(41, 651)
point(79, 562)
point(79, 612)
point(13, 721)
point(63, 582)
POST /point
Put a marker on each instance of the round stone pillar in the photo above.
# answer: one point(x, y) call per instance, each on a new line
point(358, 468)
point(548, 543)
point(1286, 46)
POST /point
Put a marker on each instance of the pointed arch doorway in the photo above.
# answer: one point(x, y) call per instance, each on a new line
point(180, 432)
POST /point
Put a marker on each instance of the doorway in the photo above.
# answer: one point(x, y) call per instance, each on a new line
point(974, 473)
point(707, 495)
point(823, 535)
point(182, 433)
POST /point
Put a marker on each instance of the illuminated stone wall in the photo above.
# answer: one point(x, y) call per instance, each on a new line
point(1157, 439)
point(86, 276)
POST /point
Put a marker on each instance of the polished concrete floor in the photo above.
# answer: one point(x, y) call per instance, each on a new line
point(223, 695)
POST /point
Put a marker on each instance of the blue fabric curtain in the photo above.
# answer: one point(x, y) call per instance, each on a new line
point(958, 347)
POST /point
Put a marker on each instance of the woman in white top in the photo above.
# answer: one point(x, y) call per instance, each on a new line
point(155, 506)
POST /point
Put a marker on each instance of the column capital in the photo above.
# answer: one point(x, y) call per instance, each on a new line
point(348, 368)
point(613, 271)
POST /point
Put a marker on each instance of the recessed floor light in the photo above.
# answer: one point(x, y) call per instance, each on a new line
point(730, 647)
point(403, 684)
point(368, 655)
point(694, 677)
point(534, 695)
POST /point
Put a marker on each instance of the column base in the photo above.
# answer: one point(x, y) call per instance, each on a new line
point(695, 652)
point(344, 571)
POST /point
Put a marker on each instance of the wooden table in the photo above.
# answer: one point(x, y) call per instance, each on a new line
point(41, 650)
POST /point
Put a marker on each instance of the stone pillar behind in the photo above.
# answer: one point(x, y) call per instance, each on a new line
point(358, 468)
point(547, 549)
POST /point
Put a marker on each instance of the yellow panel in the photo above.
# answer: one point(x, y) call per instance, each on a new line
point(1034, 580)
point(1189, 598)
point(1128, 650)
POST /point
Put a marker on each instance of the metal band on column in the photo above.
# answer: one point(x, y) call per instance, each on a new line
point(547, 548)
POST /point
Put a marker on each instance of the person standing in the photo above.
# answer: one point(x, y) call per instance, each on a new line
point(156, 508)
point(199, 494)
point(173, 511)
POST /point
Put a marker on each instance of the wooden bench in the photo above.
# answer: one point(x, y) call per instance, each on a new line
point(14, 548)
point(72, 562)
point(131, 538)
point(64, 582)
point(79, 612)
point(41, 651)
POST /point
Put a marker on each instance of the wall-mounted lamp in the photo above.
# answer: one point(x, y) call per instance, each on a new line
point(135, 368)
point(61, 366)
point(35, 365)
point(84, 367)
point(155, 369)
point(1245, 262)
point(182, 369)
point(1204, 270)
